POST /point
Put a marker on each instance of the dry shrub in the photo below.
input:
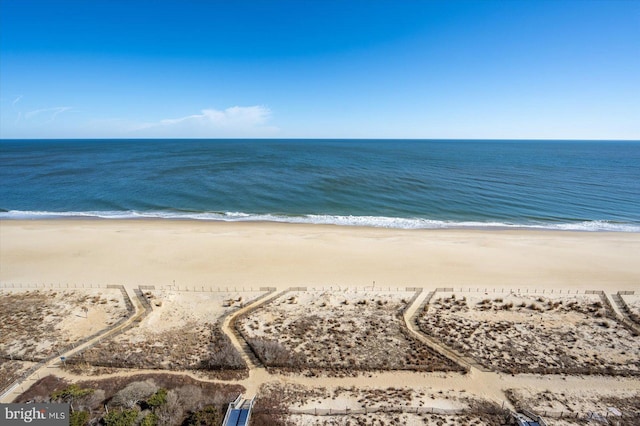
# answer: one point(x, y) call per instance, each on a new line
point(194, 346)
point(529, 343)
point(133, 393)
point(185, 395)
point(270, 408)
point(222, 354)
point(41, 389)
point(272, 353)
point(338, 339)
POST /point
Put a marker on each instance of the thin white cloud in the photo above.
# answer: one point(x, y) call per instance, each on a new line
point(13, 106)
point(39, 118)
point(233, 121)
point(50, 113)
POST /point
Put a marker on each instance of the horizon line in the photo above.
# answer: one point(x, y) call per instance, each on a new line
point(323, 139)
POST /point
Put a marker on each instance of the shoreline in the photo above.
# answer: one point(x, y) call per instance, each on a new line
point(350, 221)
point(214, 253)
point(497, 228)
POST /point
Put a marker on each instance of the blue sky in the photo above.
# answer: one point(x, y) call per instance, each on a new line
point(512, 69)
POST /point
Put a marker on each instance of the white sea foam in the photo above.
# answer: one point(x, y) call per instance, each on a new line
point(363, 221)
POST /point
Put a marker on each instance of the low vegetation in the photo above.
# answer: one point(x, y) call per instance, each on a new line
point(139, 400)
point(534, 334)
point(11, 371)
point(632, 303)
point(619, 408)
point(294, 404)
point(182, 331)
point(338, 332)
point(35, 325)
point(191, 347)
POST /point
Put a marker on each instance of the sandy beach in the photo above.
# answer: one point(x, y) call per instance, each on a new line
point(215, 254)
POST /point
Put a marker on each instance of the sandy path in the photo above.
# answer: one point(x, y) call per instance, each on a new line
point(238, 342)
point(483, 385)
point(427, 340)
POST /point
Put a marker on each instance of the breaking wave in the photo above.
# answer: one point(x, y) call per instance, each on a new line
point(319, 219)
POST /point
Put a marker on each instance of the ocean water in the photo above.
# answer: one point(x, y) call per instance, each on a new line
point(574, 185)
